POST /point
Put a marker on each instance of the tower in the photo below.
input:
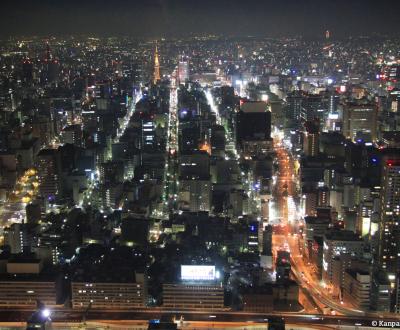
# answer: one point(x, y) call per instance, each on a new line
point(183, 70)
point(156, 67)
point(327, 34)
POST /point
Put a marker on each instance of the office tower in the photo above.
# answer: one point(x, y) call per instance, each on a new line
point(111, 172)
point(33, 213)
point(72, 134)
point(337, 244)
point(50, 68)
point(195, 165)
point(27, 70)
point(189, 137)
point(102, 94)
point(360, 121)
point(334, 99)
point(313, 107)
point(148, 133)
point(311, 138)
point(102, 89)
point(17, 238)
point(282, 266)
point(183, 71)
point(195, 194)
point(389, 235)
point(156, 75)
point(253, 128)
point(48, 172)
point(294, 106)
point(217, 140)
point(195, 182)
point(254, 233)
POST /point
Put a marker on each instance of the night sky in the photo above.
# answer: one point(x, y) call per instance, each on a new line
point(154, 18)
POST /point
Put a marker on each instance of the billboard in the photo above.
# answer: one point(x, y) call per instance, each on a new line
point(197, 273)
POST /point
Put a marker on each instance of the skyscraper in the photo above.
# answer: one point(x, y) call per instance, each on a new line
point(311, 138)
point(183, 70)
point(360, 121)
point(253, 127)
point(389, 234)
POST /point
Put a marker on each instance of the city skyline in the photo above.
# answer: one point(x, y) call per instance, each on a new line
point(188, 164)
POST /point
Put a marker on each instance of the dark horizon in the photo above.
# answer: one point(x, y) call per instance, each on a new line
point(170, 18)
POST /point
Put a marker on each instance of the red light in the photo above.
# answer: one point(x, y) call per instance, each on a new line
point(393, 162)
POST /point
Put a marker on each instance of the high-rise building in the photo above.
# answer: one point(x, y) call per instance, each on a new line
point(195, 194)
point(48, 172)
point(311, 139)
point(253, 128)
point(293, 106)
point(360, 121)
point(389, 234)
point(17, 238)
point(183, 71)
point(339, 243)
point(195, 165)
point(27, 71)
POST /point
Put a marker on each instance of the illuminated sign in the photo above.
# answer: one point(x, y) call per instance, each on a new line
point(197, 273)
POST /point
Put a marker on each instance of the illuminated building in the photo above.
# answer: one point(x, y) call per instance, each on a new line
point(360, 121)
point(183, 71)
point(253, 233)
point(311, 139)
point(199, 289)
point(194, 165)
point(294, 106)
point(148, 133)
point(217, 140)
point(156, 74)
point(72, 134)
point(338, 243)
point(327, 34)
point(195, 194)
point(48, 172)
point(112, 295)
point(111, 172)
point(390, 219)
point(18, 238)
point(50, 68)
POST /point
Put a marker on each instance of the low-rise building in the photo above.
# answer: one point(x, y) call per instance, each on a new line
point(203, 296)
point(110, 295)
point(258, 300)
point(25, 283)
